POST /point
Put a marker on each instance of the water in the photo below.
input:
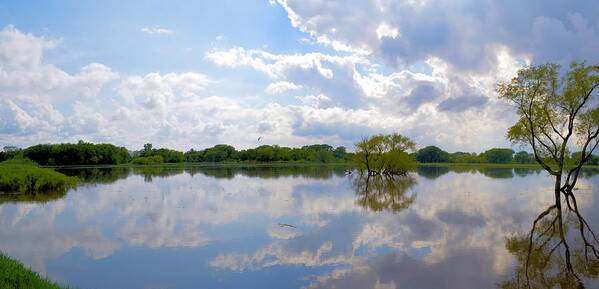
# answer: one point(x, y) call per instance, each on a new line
point(302, 227)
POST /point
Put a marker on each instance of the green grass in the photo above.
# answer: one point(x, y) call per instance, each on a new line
point(14, 275)
point(24, 176)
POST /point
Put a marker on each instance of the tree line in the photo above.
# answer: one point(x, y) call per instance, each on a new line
point(83, 153)
point(382, 152)
point(433, 154)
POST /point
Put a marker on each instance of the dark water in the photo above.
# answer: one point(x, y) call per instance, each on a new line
point(301, 227)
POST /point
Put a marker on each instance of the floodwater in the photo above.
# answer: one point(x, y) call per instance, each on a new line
point(297, 227)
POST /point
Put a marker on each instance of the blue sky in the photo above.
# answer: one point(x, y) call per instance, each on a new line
point(189, 74)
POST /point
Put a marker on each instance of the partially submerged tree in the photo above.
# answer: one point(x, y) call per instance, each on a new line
point(385, 155)
point(558, 114)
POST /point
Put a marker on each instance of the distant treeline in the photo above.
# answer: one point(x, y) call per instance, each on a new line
point(433, 154)
point(322, 153)
point(83, 153)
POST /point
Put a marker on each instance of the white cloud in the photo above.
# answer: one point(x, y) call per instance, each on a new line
point(315, 100)
point(156, 91)
point(157, 30)
point(384, 30)
point(281, 87)
point(30, 89)
point(278, 65)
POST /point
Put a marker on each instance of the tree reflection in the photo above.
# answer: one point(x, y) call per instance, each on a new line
point(561, 250)
point(13, 198)
point(383, 193)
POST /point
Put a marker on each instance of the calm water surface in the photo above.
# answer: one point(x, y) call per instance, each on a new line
point(302, 227)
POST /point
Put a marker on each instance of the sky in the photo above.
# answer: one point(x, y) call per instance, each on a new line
point(192, 74)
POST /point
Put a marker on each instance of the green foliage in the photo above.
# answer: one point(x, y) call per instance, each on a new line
point(556, 113)
point(432, 154)
point(498, 155)
point(150, 160)
point(168, 155)
point(19, 175)
point(76, 154)
point(270, 153)
point(218, 153)
point(9, 152)
point(193, 156)
point(591, 160)
point(385, 154)
point(14, 275)
point(523, 157)
point(466, 158)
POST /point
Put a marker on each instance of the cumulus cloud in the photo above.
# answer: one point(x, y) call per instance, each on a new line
point(30, 89)
point(427, 69)
point(462, 34)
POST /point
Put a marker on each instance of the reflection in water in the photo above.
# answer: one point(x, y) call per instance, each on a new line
point(31, 198)
point(111, 175)
point(190, 227)
point(544, 264)
point(380, 193)
point(433, 172)
point(561, 249)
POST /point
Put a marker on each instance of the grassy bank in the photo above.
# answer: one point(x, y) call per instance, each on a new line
point(14, 275)
point(24, 176)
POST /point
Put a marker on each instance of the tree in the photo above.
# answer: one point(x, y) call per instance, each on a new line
point(499, 155)
point(8, 149)
point(557, 113)
point(462, 157)
point(432, 154)
point(340, 152)
point(523, 157)
point(592, 160)
point(147, 149)
point(385, 154)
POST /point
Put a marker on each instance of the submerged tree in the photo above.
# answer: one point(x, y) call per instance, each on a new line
point(556, 115)
point(385, 155)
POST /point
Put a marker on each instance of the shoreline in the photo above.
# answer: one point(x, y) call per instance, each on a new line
point(293, 164)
